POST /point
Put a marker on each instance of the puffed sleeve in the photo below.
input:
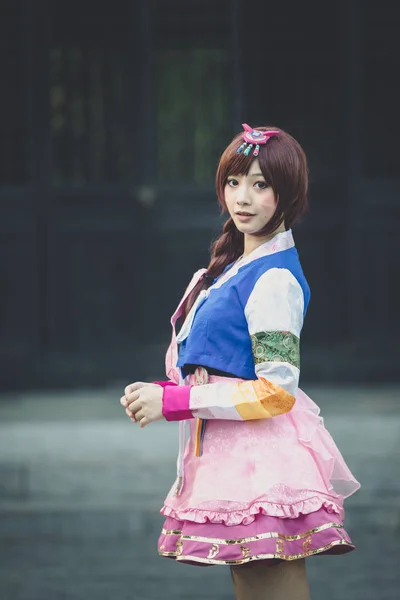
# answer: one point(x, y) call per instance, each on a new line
point(274, 314)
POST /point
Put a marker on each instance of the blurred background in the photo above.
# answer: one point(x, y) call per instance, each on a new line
point(113, 117)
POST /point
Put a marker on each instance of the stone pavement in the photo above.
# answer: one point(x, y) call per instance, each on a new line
point(81, 487)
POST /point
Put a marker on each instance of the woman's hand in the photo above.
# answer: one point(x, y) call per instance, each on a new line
point(143, 402)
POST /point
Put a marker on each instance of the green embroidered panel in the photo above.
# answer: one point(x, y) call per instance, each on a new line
point(279, 346)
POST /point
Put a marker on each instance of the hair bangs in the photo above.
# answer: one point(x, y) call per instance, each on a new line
point(237, 164)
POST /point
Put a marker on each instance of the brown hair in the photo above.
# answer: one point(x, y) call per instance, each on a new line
point(284, 167)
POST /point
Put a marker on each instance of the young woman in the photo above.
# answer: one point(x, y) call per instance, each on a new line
point(260, 482)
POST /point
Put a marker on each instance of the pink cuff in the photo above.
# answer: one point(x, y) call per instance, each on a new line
point(165, 383)
point(176, 400)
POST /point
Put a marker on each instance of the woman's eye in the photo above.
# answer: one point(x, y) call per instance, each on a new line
point(232, 182)
point(261, 185)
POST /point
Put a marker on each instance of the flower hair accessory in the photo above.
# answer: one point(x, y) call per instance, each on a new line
point(253, 137)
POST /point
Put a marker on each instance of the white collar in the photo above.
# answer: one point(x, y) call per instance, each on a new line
point(281, 241)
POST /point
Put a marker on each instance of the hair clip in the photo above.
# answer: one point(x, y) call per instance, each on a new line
point(254, 137)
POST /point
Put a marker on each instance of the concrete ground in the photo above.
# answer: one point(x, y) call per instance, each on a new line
point(81, 487)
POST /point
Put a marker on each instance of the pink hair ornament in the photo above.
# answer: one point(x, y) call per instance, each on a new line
point(253, 137)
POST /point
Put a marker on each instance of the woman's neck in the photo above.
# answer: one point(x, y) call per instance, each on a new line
point(251, 242)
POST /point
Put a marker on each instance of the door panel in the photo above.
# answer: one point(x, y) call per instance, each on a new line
point(20, 245)
point(95, 221)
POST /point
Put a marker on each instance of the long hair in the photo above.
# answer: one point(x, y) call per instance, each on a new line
point(284, 167)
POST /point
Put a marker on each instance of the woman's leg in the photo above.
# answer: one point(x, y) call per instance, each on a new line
point(259, 581)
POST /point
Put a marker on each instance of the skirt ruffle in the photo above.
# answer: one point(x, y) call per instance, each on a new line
point(267, 538)
point(247, 515)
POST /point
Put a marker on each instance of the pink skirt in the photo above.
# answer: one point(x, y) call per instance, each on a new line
point(270, 489)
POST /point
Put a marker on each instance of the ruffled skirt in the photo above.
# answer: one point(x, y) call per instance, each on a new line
point(268, 489)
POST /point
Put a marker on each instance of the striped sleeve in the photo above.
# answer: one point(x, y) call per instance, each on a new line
point(274, 313)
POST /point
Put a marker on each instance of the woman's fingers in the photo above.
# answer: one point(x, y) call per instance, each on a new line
point(139, 415)
point(125, 401)
point(131, 416)
point(132, 387)
point(133, 407)
point(132, 397)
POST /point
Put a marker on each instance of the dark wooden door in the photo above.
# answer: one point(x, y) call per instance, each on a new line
point(20, 244)
point(115, 116)
point(73, 205)
point(195, 100)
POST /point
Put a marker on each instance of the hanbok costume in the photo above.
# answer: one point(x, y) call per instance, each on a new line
point(260, 478)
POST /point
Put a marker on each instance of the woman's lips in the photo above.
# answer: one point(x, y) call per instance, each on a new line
point(244, 216)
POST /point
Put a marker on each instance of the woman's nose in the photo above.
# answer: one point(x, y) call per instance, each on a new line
point(241, 195)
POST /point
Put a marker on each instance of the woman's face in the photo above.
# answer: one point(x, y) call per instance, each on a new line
point(250, 200)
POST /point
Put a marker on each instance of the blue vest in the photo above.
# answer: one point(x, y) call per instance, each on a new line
point(219, 336)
